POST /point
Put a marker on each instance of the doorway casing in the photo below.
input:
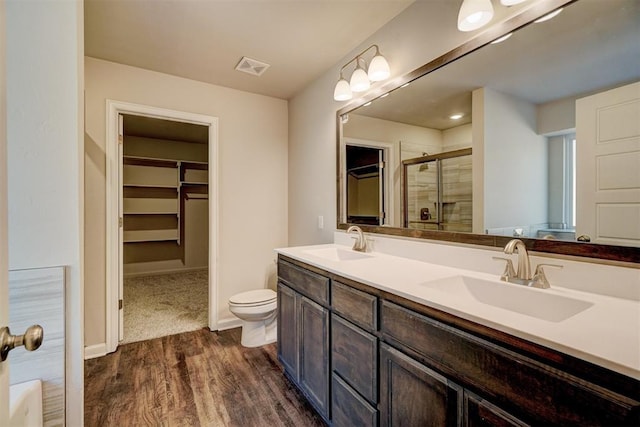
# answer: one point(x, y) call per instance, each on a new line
point(113, 242)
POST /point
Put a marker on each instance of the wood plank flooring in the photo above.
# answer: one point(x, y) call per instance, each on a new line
point(198, 378)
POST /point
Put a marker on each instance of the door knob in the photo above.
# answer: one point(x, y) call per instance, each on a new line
point(31, 340)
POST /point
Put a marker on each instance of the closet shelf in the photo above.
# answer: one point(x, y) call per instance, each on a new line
point(134, 236)
point(151, 186)
point(193, 183)
point(151, 213)
point(149, 161)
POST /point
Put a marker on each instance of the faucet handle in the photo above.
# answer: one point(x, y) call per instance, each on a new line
point(540, 279)
point(509, 271)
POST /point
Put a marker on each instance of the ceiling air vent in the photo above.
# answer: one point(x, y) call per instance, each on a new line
point(251, 66)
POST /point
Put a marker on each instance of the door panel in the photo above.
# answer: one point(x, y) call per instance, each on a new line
point(608, 155)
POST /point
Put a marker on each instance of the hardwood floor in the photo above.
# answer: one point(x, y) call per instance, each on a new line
point(198, 378)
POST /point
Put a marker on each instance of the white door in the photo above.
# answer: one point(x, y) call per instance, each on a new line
point(4, 271)
point(608, 163)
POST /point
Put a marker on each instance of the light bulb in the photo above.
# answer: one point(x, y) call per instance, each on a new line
point(342, 91)
point(378, 69)
point(548, 16)
point(359, 80)
point(511, 2)
point(474, 14)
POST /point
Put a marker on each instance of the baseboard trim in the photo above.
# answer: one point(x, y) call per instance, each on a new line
point(230, 323)
point(96, 350)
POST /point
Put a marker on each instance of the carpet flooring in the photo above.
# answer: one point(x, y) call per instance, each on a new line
point(161, 305)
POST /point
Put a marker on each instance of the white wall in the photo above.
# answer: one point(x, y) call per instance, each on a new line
point(515, 162)
point(421, 33)
point(557, 116)
point(252, 175)
point(44, 123)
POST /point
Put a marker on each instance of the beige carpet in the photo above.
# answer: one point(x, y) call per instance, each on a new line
point(156, 306)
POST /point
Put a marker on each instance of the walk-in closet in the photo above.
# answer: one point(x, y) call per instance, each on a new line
point(165, 223)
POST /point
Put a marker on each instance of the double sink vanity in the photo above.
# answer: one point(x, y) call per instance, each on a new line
point(371, 338)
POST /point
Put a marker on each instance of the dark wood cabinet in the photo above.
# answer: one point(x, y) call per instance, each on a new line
point(287, 330)
point(480, 413)
point(314, 374)
point(354, 353)
point(365, 357)
point(348, 408)
point(411, 394)
point(303, 333)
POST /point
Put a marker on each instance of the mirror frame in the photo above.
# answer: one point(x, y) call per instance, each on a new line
point(618, 254)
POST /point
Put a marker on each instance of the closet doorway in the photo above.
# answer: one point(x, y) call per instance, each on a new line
point(166, 224)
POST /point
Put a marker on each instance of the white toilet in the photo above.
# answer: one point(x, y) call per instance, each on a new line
point(257, 310)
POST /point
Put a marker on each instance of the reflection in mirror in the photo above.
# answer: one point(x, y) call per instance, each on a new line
point(437, 191)
point(553, 117)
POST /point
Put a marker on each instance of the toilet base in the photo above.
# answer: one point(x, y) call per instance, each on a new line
point(258, 333)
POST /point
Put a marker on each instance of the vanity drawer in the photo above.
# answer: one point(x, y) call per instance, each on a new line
point(308, 283)
point(354, 354)
point(515, 382)
point(354, 305)
point(348, 409)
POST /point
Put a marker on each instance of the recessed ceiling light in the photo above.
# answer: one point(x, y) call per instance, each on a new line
point(405, 85)
point(367, 104)
point(456, 116)
point(385, 95)
point(501, 39)
point(548, 16)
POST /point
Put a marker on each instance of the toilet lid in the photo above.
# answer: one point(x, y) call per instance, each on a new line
point(254, 297)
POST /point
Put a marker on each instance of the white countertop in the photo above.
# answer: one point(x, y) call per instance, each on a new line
point(607, 333)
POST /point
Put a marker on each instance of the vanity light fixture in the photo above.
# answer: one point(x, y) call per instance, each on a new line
point(548, 16)
point(456, 116)
point(377, 70)
point(474, 14)
point(501, 39)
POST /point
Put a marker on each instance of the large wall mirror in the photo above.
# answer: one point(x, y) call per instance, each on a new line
point(535, 136)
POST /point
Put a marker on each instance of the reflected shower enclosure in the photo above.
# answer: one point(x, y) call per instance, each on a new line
point(438, 191)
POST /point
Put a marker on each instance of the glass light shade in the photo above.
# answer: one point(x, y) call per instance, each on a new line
point(474, 14)
point(511, 2)
point(342, 91)
point(359, 80)
point(378, 69)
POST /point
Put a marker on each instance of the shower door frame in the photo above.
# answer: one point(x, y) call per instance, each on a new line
point(425, 159)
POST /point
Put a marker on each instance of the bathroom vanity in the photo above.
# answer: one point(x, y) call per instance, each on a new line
point(365, 353)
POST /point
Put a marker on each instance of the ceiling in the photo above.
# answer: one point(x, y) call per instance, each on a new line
point(540, 63)
point(204, 40)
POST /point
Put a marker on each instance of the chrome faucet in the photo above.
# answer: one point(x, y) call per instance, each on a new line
point(523, 273)
point(360, 244)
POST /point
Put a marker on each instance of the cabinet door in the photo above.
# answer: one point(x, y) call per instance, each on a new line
point(348, 408)
point(314, 353)
point(288, 330)
point(411, 394)
point(354, 357)
point(480, 413)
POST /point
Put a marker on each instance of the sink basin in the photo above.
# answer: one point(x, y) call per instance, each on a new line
point(337, 254)
point(515, 298)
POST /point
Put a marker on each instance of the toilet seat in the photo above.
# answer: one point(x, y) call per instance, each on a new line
point(253, 298)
